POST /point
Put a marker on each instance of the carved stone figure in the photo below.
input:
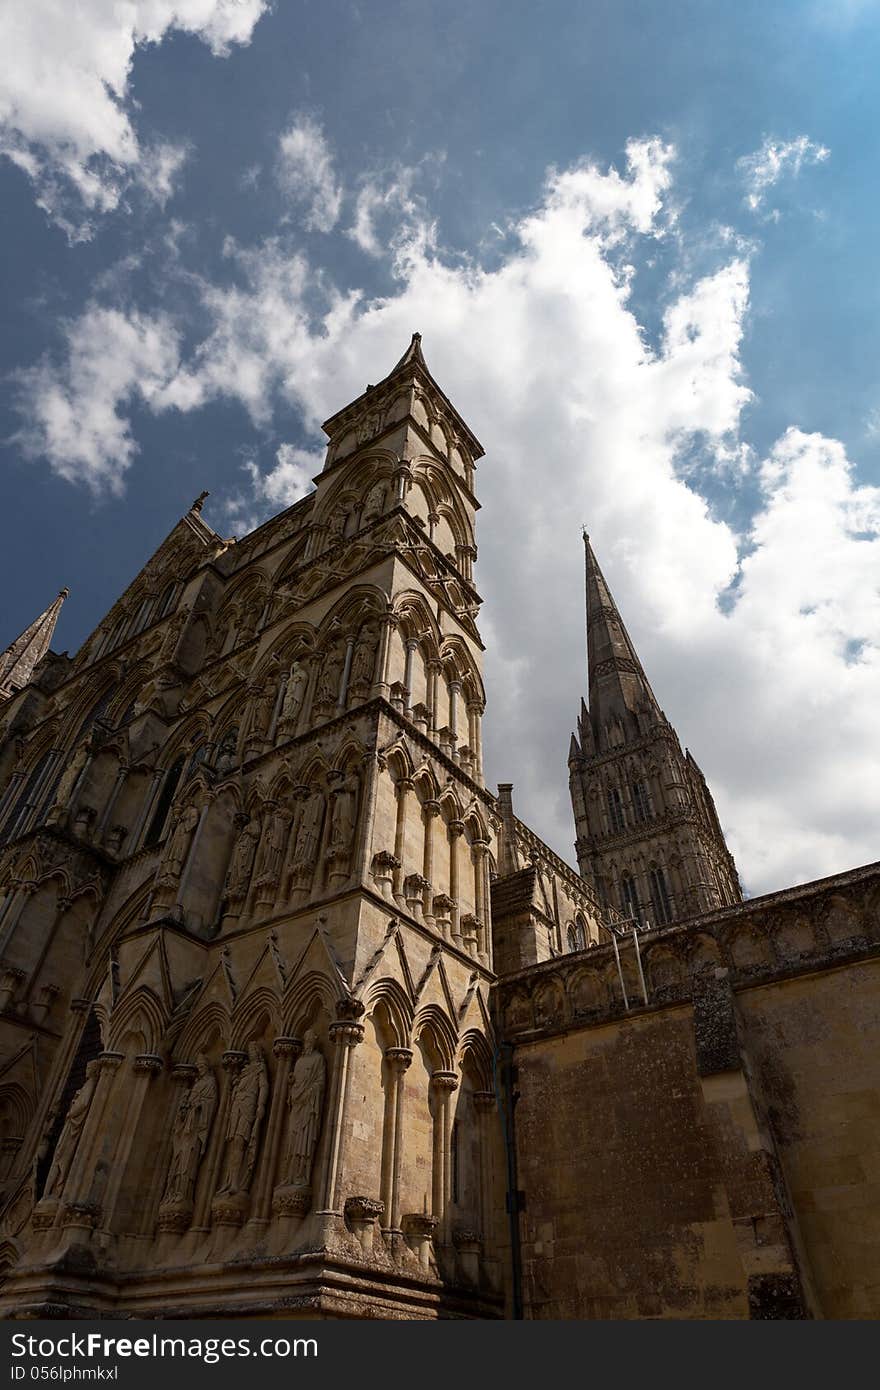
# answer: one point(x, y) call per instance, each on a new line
point(246, 1111)
point(261, 711)
point(309, 834)
point(343, 818)
point(242, 861)
point(305, 1100)
point(294, 694)
point(226, 758)
point(363, 662)
point(172, 634)
point(336, 523)
point(375, 503)
point(331, 675)
point(189, 1137)
point(69, 779)
point(68, 1140)
point(272, 849)
point(178, 845)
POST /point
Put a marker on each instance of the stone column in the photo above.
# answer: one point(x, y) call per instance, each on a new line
point(443, 1084)
point(381, 684)
point(456, 830)
point(475, 739)
point(145, 1066)
point(454, 697)
point(104, 819)
point(398, 1060)
point(286, 1050)
point(484, 1105)
point(430, 810)
point(435, 670)
point(412, 647)
point(403, 787)
point(345, 1034)
point(78, 1199)
point(346, 672)
point(153, 790)
point(186, 872)
point(480, 852)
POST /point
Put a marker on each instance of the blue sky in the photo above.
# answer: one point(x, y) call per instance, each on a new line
point(639, 241)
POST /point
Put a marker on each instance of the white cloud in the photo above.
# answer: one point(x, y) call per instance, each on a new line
point(775, 689)
point(775, 160)
point(65, 115)
point(306, 175)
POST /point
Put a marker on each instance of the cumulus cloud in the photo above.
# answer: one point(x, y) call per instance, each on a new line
point(763, 648)
point(306, 174)
point(273, 489)
point(775, 160)
point(65, 114)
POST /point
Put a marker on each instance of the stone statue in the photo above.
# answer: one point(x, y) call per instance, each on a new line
point(309, 834)
point(246, 1110)
point(172, 634)
point(178, 845)
point(305, 1100)
point(69, 779)
point(294, 694)
point(331, 676)
point(261, 710)
point(336, 523)
point(375, 503)
point(343, 818)
point(68, 1140)
point(242, 862)
point(226, 759)
point(189, 1137)
point(272, 849)
point(363, 662)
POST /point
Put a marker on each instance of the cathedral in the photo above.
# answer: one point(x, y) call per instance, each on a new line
point(299, 1019)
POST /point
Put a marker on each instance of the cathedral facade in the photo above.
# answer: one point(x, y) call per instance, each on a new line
point(299, 1019)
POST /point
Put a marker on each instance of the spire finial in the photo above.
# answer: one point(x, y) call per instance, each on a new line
point(197, 504)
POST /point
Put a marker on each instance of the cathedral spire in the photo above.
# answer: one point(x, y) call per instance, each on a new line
point(619, 690)
point(21, 656)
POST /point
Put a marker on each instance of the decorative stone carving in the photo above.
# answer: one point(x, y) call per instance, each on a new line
point(330, 677)
point(271, 856)
point(294, 695)
point(305, 1101)
point(363, 662)
point(343, 820)
point(61, 807)
point(189, 1139)
point(247, 1107)
point(262, 705)
point(362, 1215)
point(382, 868)
point(375, 503)
point(179, 843)
point(414, 889)
point(242, 861)
point(68, 1140)
point(308, 835)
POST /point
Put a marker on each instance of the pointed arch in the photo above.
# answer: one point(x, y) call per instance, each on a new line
point(398, 1006)
point(200, 1028)
point(432, 1020)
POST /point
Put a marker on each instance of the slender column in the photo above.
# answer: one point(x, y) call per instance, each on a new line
point(191, 857)
point(80, 1180)
point(15, 908)
point(145, 1067)
point(454, 697)
point(430, 810)
point(345, 1034)
point(232, 1062)
point(412, 647)
point(276, 710)
point(346, 672)
point(398, 1060)
point(480, 851)
point(286, 1050)
point(444, 1083)
point(484, 1105)
point(456, 830)
point(435, 670)
point(10, 796)
point(149, 801)
point(403, 788)
point(111, 801)
point(381, 684)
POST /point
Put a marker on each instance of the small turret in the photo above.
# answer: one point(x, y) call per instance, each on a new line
point(21, 656)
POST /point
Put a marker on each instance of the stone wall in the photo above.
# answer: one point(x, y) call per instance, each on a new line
point(713, 1153)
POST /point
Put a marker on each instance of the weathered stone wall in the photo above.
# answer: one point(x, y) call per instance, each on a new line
point(714, 1153)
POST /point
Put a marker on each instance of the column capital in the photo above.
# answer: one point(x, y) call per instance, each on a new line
point(232, 1060)
point(287, 1047)
point(444, 1080)
point(484, 1100)
point(456, 828)
point(346, 1034)
point(431, 808)
point(109, 1061)
point(184, 1073)
point(149, 1063)
point(399, 1058)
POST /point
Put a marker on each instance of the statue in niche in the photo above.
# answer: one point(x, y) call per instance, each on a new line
point(68, 1140)
point(173, 634)
point(189, 1137)
point(305, 1100)
point(336, 523)
point(363, 662)
point(375, 503)
point(261, 710)
point(178, 845)
point(343, 817)
point(295, 693)
point(225, 760)
point(69, 779)
point(308, 837)
point(330, 678)
point(246, 1110)
point(243, 857)
point(272, 849)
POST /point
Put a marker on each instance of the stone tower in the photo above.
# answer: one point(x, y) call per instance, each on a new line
point(648, 836)
point(245, 954)
point(20, 658)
